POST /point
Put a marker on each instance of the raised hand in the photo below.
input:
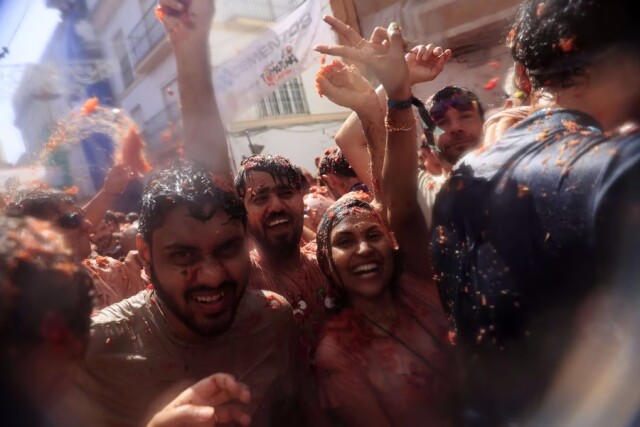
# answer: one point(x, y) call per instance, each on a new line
point(426, 62)
point(117, 179)
point(186, 19)
point(345, 86)
point(383, 53)
point(206, 403)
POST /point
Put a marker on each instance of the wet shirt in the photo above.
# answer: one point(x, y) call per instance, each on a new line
point(523, 231)
point(305, 289)
point(367, 377)
point(136, 362)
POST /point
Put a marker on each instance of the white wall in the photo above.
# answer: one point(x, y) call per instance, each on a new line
point(300, 144)
point(147, 89)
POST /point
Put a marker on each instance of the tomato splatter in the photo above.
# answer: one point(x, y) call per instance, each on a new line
point(329, 71)
point(494, 64)
point(159, 13)
point(73, 190)
point(567, 45)
point(131, 154)
point(90, 106)
point(491, 84)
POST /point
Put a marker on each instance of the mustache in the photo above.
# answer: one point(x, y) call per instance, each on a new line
point(223, 287)
point(276, 215)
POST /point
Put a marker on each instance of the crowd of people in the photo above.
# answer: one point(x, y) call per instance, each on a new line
point(440, 268)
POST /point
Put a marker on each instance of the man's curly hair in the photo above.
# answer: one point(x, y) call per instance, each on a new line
point(557, 39)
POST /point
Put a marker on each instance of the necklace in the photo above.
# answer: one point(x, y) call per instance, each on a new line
point(407, 346)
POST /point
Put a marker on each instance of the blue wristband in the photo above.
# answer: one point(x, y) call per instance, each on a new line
point(399, 105)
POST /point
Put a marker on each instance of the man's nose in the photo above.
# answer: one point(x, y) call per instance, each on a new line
point(211, 272)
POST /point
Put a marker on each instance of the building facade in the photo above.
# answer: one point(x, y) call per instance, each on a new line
point(292, 120)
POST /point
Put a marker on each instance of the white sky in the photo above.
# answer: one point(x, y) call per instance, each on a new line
point(27, 47)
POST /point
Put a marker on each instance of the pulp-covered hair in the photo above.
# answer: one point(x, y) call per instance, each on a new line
point(333, 161)
point(279, 167)
point(187, 183)
point(40, 282)
point(39, 203)
point(556, 39)
point(449, 92)
point(344, 207)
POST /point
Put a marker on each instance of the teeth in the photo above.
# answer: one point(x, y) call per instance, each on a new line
point(277, 222)
point(365, 268)
point(209, 298)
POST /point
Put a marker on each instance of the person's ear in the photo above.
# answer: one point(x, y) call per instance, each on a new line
point(144, 250)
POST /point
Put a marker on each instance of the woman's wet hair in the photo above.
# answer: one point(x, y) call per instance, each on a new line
point(344, 207)
point(279, 167)
point(557, 39)
point(187, 183)
point(40, 282)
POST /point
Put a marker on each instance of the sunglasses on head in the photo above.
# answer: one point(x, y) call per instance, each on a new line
point(71, 220)
point(460, 102)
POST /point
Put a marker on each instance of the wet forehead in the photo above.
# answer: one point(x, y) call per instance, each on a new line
point(356, 221)
point(181, 228)
point(263, 181)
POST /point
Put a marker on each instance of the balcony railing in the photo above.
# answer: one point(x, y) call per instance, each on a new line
point(264, 10)
point(146, 35)
point(168, 118)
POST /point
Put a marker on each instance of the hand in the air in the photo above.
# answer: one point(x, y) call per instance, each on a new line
point(116, 180)
point(186, 19)
point(426, 62)
point(383, 53)
point(345, 86)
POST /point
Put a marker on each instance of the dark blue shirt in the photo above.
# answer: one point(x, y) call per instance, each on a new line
point(522, 233)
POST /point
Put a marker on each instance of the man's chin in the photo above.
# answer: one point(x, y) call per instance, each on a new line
point(207, 329)
point(282, 248)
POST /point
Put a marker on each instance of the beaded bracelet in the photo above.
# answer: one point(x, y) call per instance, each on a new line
point(392, 128)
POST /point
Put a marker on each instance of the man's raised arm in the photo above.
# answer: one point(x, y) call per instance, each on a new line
point(187, 23)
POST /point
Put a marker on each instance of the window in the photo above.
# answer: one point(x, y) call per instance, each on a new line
point(123, 59)
point(288, 99)
point(265, 10)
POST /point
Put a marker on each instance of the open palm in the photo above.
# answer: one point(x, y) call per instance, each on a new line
point(345, 86)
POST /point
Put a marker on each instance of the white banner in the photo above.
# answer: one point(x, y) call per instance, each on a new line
point(282, 52)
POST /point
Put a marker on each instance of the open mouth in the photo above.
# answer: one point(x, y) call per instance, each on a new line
point(367, 271)
point(278, 223)
point(210, 301)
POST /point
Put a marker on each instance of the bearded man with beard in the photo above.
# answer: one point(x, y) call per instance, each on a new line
point(271, 189)
point(198, 318)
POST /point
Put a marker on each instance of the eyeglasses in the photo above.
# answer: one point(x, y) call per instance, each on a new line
point(460, 103)
point(71, 220)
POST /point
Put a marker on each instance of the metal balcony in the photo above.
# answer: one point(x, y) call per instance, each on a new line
point(147, 42)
